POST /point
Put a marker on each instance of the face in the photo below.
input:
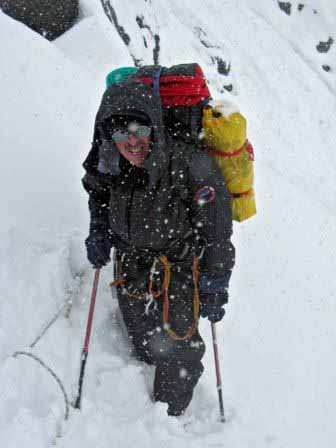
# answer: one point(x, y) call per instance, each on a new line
point(133, 147)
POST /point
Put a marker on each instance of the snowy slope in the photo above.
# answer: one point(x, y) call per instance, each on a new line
point(278, 338)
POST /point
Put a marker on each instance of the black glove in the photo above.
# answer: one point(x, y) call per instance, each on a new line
point(98, 247)
point(212, 307)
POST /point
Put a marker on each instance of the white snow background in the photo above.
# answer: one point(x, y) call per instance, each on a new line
point(277, 341)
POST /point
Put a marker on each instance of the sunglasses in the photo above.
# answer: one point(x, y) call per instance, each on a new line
point(138, 131)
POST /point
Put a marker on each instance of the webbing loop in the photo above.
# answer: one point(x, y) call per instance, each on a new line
point(196, 302)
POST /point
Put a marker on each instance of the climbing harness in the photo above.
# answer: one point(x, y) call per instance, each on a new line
point(163, 291)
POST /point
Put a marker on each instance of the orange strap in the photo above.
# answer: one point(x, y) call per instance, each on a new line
point(120, 279)
point(117, 282)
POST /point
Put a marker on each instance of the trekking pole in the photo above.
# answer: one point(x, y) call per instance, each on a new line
point(85, 351)
point(218, 374)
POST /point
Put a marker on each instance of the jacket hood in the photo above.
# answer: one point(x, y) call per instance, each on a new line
point(134, 99)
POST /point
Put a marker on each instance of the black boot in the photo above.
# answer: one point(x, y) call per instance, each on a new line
point(174, 384)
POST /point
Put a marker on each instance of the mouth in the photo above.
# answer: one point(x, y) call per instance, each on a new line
point(135, 150)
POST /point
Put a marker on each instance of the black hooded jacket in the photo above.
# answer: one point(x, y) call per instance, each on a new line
point(179, 195)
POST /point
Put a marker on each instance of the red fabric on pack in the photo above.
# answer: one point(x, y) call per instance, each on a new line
point(179, 90)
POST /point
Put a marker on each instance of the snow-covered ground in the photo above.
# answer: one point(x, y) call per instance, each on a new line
point(277, 342)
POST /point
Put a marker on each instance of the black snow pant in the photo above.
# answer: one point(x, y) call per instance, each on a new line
point(178, 362)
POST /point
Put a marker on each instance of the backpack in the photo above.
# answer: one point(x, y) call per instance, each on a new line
point(183, 91)
point(188, 111)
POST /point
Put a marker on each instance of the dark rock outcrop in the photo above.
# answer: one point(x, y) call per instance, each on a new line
point(324, 47)
point(285, 7)
point(50, 18)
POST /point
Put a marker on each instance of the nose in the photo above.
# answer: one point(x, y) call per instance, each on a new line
point(132, 140)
